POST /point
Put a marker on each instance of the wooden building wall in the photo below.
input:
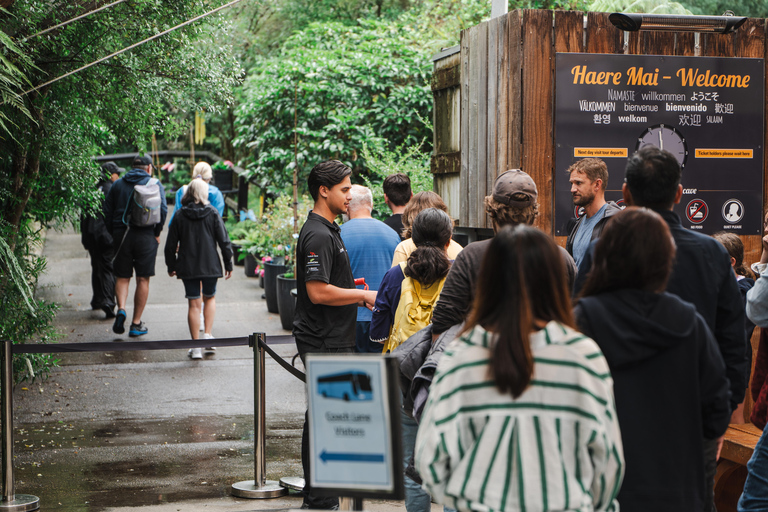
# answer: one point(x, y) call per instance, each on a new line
point(504, 79)
point(494, 101)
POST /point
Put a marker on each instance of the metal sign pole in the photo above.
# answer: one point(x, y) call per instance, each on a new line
point(11, 501)
point(259, 487)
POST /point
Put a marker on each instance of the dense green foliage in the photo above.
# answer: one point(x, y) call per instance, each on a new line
point(348, 85)
point(46, 172)
point(753, 8)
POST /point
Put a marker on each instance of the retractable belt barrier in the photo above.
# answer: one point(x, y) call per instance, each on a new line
point(257, 488)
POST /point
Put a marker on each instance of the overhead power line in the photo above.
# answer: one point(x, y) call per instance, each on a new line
point(131, 47)
point(65, 23)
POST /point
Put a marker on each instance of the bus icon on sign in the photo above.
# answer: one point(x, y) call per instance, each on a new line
point(351, 385)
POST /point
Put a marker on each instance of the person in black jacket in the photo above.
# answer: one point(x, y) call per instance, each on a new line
point(701, 274)
point(669, 377)
point(98, 242)
point(190, 255)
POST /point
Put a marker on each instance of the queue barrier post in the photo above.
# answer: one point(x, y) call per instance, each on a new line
point(259, 487)
point(11, 501)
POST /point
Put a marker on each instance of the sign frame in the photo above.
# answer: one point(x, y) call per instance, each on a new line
point(708, 111)
point(379, 402)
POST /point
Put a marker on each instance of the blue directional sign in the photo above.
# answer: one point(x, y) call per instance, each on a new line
point(353, 428)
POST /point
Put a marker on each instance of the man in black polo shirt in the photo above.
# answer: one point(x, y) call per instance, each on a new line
point(327, 300)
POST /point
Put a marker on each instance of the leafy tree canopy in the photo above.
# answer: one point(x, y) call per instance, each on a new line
point(347, 84)
point(52, 131)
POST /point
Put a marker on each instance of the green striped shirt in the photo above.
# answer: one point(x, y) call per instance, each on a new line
point(555, 447)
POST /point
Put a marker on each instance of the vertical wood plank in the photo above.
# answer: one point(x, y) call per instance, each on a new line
point(569, 31)
point(538, 100)
point(717, 45)
point(659, 43)
point(474, 89)
point(602, 36)
point(515, 90)
point(685, 44)
point(502, 102)
point(464, 136)
point(478, 184)
point(494, 70)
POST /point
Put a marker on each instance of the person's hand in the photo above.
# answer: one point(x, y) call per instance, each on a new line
point(369, 298)
point(158, 239)
point(227, 274)
point(172, 273)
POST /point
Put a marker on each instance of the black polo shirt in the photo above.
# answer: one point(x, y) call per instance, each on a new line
point(321, 256)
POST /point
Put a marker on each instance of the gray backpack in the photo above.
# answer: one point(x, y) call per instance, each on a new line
point(145, 204)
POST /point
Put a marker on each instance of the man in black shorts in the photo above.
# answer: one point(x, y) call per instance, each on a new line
point(327, 300)
point(135, 247)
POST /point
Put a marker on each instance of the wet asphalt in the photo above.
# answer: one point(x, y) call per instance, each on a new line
point(153, 429)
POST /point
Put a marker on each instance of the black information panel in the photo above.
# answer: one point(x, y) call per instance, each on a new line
point(707, 111)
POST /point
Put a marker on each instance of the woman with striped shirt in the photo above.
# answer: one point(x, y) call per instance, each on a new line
point(521, 413)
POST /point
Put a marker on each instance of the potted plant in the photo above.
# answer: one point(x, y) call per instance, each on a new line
point(223, 175)
point(286, 302)
point(248, 239)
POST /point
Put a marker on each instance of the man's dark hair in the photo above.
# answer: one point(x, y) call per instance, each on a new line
point(326, 174)
point(398, 188)
point(653, 176)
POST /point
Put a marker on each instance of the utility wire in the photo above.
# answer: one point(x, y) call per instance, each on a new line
point(64, 23)
point(131, 47)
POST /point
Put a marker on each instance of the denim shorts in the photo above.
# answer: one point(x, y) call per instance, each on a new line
point(192, 287)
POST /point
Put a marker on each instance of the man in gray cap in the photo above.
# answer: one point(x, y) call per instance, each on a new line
point(513, 201)
point(135, 246)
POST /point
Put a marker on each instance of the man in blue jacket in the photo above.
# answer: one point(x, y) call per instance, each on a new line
point(135, 246)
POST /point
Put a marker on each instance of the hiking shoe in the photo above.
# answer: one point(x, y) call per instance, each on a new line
point(139, 329)
point(108, 310)
point(195, 353)
point(209, 350)
point(119, 326)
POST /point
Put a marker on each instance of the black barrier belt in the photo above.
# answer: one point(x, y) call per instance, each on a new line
point(282, 362)
point(44, 348)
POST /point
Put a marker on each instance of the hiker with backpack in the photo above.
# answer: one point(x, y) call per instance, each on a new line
point(404, 303)
point(135, 212)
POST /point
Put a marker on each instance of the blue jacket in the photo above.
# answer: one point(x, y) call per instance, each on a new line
point(119, 196)
point(215, 197)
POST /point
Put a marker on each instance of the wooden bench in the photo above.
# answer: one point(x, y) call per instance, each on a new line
point(740, 441)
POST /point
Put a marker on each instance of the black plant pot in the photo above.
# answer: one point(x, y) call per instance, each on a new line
point(271, 271)
point(286, 303)
point(236, 251)
point(250, 264)
point(222, 178)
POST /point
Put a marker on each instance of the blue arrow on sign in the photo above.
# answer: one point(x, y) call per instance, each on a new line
point(351, 457)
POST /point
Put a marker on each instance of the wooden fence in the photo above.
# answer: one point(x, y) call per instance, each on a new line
point(494, 99)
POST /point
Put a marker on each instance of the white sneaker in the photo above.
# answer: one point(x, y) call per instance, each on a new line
point(209, 350)
point(195, 353)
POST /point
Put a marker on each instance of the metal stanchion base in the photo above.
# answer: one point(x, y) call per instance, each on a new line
point(21, 503)
point(292, 482)
point(248, 489)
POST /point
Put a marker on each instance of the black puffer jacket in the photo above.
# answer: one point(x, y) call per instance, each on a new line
point(196, 231)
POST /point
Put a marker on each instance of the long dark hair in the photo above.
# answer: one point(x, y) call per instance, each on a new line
point(635, 250)
point(431, 231)
point(522, 283)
